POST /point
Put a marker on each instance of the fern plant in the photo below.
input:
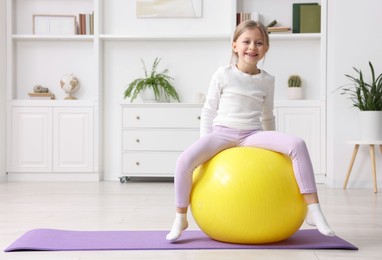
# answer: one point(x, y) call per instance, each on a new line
point(365, 96)
point(159, 82)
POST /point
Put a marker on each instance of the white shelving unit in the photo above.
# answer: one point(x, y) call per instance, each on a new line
point(106, 61)
point(64, 133)
point(109, 27)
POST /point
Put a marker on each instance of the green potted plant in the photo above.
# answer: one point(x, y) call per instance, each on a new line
point(153, 86)
point(367, 97)
point(294, 87)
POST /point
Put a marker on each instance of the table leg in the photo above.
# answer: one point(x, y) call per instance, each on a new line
point(351, 165)
point(372, 156)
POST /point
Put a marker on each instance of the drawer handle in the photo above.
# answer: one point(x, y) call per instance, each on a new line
point(137, 140)
point(198, 117)
point(137, 117)
point(137, 163)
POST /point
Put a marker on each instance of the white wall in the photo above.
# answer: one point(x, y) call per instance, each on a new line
point(2, 91)
point(354, 38)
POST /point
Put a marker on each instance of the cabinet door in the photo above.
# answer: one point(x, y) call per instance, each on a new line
point(31, 137)
point(73, 139)
point(303, 122)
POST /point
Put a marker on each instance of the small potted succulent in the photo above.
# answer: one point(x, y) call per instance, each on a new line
point(154, 87)
point(367, 97)
point(294, 87)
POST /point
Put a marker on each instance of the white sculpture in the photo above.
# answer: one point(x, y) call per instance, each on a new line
point(70, 84)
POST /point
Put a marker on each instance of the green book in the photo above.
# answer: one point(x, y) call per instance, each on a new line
point(310, 19)
point(296, 16)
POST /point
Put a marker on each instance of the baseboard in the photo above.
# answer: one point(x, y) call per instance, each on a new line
point(55, 177)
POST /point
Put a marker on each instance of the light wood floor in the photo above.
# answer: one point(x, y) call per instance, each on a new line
point(355, 215)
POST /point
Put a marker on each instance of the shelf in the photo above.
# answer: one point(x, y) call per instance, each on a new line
point(299, 103)
point(52, 103)
point(163, 105)
point(295, 36)
point(196, 37)
point(274, 36)
point(278, 103)
point(53, 37)
point(201, 37)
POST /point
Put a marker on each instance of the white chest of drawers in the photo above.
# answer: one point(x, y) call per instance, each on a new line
point(153, 136)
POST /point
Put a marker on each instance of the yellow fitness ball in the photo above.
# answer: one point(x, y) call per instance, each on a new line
point(247, 195)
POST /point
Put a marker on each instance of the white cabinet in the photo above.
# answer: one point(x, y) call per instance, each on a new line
point(305, 121)
point(51, 139)
point(153, 136)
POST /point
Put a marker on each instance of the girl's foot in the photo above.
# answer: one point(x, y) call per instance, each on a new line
point(315, 217)
point(180, 224)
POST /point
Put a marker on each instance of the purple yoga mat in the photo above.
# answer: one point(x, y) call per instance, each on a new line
point(65, 240)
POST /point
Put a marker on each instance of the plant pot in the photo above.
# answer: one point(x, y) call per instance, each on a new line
point(294, 93)
point(147, 95)
point(371, 125)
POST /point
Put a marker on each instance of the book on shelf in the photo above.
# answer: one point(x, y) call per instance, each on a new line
point(241, 17)
point(41, 96)
point(279, 29)
point(310, 19)
point(91, 19)
point(86, 23)
point(296, 14)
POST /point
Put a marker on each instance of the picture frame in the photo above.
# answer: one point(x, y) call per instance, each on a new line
point(169, 8)
point(54, 24)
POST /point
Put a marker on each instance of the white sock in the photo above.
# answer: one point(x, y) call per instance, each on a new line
point(315, 217)
point(180, 224)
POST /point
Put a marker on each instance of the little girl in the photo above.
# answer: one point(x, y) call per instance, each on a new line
point(239, 112)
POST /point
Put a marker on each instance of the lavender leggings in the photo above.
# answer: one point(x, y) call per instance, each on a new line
point(222, 138)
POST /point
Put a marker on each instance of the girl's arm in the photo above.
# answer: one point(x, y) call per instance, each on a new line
point(211, 106)
point(268, 118)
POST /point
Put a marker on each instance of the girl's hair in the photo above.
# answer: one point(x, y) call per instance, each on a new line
point(247, 25)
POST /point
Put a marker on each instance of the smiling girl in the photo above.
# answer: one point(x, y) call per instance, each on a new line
point(238, 111)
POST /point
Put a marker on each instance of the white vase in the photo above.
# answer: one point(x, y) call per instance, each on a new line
point(371, 125)
point(147, 95)
point(294, 93)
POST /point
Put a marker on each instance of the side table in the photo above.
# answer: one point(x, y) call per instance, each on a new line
point(371, 144)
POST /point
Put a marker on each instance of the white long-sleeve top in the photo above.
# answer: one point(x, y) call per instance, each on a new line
point(239, 100)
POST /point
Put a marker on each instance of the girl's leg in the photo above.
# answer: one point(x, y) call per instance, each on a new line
point(296, 149)
point(292, 146)
point(198, 153)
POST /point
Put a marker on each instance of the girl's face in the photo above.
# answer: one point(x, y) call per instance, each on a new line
point(250, 48)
